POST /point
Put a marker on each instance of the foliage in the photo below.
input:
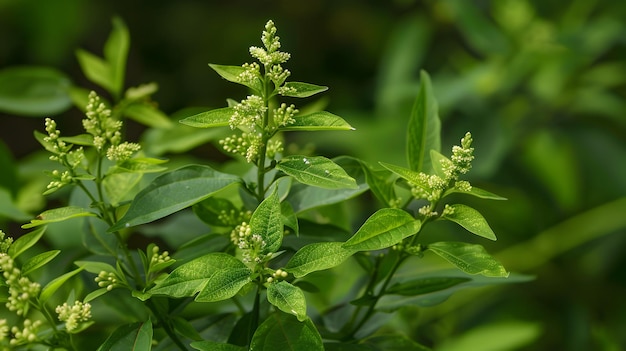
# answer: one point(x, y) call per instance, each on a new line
point(263, 242)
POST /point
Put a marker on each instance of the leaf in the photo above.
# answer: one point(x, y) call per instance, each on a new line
point(315, 121)
point(385, 228)
point(217, 276)
point(139, 165)
point(303, 90)
point(393, 342)
point(115, 53)
point(58, 215)
point(316, 257)
point(477, 192)
point(267, 222)
point(288, 298)
point(96, 69)
point(231, 74)
point(425, 285)
point(424, 128)
point(470, 258)
point(379, 183)
point(412, 177)
point(304, 197)
point(25, 242)
point(39, 261)
point(147, 115)
point(317, 171)
point(130, 337)
point(33, 91)
point(9, 209)
point(284, 332)
point(503, 335)
point(471, 220)
point(210, 210)
point(119, 186)
point(172, 192)
point(213, 118)
point(55, 284)
point(208, 345)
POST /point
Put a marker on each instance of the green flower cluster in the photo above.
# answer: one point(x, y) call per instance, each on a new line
point(74, 314)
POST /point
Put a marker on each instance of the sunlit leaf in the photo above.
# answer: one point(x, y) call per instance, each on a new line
point(302, 90)
point(231, 74)
point(267, 222)
point(320, 120)
point(317, 171)
point(471, 220)
point(470, 258)
point(383, 229)
point(288, 298)
point(316, 257)
point(213, 118)
point(147, 115)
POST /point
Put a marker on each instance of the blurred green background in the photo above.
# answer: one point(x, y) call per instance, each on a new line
point(540, 84)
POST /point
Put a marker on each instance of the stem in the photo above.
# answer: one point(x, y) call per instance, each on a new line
point(166, 326)
point(256, 312)
point(264, 139)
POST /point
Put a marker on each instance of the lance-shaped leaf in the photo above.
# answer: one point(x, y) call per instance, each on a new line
point(284, 332)
point(131, 337)
point(208, 345)
point(470, 258)
point(316, 257)
point(321, 120)
point(288, 298)
point(39, 261)
point(216, 276)
point(172, 192)
point(471, 220)
point(214, 118)
point(383, 229)
point(424, 128)
point(425, 285)
point(302, 90)
point(25, 242)
point(267, 222)
point(474, 191)
point(55, 284)
point(412, 177)
point(231, 74)
point(148, 115)
point(58, 215)
point(115, 53)
point(317, 171)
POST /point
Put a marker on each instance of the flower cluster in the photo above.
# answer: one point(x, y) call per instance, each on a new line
point(74, 314)
point(107, 280)
point(21, 289)
point(61, 152)
point(27, 334)
point(233, 217)
point(251, 245)
point(157, 257)
point(279, 274)
point(106, 131)
point(5, 243)
point(270, 55)
point(247, 145)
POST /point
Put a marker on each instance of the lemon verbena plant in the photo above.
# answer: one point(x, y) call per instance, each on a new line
point(270, 272)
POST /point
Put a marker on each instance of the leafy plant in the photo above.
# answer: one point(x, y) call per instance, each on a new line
point(277, 237)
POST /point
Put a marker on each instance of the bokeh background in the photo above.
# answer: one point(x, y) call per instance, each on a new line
point(540, 84)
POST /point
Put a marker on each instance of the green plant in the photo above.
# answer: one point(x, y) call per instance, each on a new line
point(278, 235)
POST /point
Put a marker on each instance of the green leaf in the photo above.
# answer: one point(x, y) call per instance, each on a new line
point(172, 192)
point(80, 139)
point(471, 220)
point(147, 115)
point(383, 229)
point(393, 343)
point(477, 192)
point(25, 242)
point(58, 215)
point(500, 336)
point(412, 177)
point(115, 53)
point(470, 258)
point(303, 90)
point(425, 285)
point(284, 332)
point(55, 284)
point(39, 261)
point(316, 257)
point(9, 209)
point(33, 91)
point(96, 69)
point(288, 298)
point(214, 118)
point(217, 276)
point(95, 267)
point(130, 337)
point(208, 345)
point(317, 171)
point(424, 128)
point(210, 210)
point(320, 120)
point(119, 186)
point(139, 165)
point(231, 74)
point(267, 222)
point(380, 183)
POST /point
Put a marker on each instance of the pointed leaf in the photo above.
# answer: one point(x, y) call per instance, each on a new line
point(25, 242)
point(284, 332)
point(288, 298)
point(217, 276)
point(470, 258)
point(58, 215)
point(380, 183)
point(425, 285)
point(267, 222)
point(474, 191)
point(303, 90)
point(39, 261)
point(213, 118)
point(383, 229)
point(96, 69)
point(316, 257)
point(33, 91)
point(412, 177)
point(172, 192)
point(208, 345)
point(393, 343)
point(317, 171)
point(131, 337)
point(424, 128)
point(320, 120)
point(471, 220)
point(231, 74)
point(147, 115)
point(115, 53)
point(55, 284)
point(210, 211)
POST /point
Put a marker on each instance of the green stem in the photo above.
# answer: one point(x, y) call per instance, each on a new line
point(256, 314)
point(163, 321)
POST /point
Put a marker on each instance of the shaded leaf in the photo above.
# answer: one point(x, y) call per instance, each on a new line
point(208, 345)
point(385, 228)
point(25, 242)
point(96, 69)
point(33, 91)
point(284, 332)
point(55, 284)
point(393, 342)
point(471, 220)
point(58, 215)
point(316, 257)
point(39, 261)
point(424, 128)
point(288, 298)
point(317, 171)
point(425, 285)
point(470, 258)
point(115, 53)
point(147, 115)
point(477, 192)
point(231, 74)
point(131, 337)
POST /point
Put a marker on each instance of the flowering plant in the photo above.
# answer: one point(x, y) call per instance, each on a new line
point(247, 284)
